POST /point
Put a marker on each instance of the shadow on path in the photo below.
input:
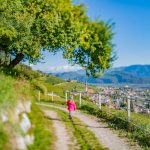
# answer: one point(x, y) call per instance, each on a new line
point(50, 118)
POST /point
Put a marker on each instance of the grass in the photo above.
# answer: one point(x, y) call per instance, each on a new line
point(8, 96)
point(118, 120)
point(3, 137)
point(42, 130)
point(141, 120)
point(13, 90)
point(19, 84)
point(85, 138)
point(137, 130)
point(54, 80)
point(61, 88)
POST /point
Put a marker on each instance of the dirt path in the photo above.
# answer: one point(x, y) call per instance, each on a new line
point(105, 135)
point(62, 142)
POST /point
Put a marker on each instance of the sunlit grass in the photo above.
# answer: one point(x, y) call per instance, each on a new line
point(42, 130)
point(7, 92)
point(137, 129)
point(85, 138)
point(3, 137)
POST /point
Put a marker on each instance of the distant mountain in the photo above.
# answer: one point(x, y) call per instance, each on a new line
point(135, 74)
point(138, 70)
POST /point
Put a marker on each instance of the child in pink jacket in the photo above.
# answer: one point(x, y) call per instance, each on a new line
point(71, 106)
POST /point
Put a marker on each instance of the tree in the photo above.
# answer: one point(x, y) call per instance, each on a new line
point(29, 27)
point(95, 52)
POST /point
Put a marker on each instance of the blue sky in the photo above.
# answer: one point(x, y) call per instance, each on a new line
point(132, 28)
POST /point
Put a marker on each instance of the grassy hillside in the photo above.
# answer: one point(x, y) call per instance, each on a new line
point(11, 90)
point(21, 84)
point(8, 95)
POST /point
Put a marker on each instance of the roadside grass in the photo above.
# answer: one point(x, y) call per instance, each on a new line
point(42, 130)
point(11, 91)
point(141, 120)
point(16, 86)
point(3, 137)
point(8, 96)
point(137, 129)
point(85, 138)
point(14, 89)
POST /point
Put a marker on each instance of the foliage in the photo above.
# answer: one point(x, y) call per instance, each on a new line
point(22, 71)
point(61, 88)
point(95, 50)
point(30, 27)
point(71, 86)
point(27, 27)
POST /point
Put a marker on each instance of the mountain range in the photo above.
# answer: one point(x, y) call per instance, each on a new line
point(134, 74)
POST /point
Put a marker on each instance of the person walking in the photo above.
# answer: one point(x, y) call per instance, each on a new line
point(71, 106)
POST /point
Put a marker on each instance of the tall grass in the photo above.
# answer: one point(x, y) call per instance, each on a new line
point(8, 96)
point(21, 83)
point(3, 137)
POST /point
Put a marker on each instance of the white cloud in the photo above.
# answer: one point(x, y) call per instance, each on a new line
point(65, 68)
point(56, 69)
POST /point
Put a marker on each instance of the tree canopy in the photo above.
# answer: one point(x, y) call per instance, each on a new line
point(95, 50)
point(29, 27)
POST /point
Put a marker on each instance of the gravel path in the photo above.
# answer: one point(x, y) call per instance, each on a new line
point(105, 135)
point(62, 142)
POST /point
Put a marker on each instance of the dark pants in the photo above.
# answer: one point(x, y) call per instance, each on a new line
point(70, 115)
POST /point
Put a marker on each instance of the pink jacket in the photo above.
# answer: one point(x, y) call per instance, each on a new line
point(71, 105)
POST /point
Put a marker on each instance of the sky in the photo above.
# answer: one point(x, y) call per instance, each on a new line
point(132, 33)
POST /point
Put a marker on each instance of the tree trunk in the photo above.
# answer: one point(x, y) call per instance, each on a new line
point(15, 61)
